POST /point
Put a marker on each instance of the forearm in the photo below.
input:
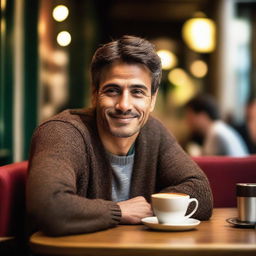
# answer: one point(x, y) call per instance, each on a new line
point(64, 214)
point(55, 205)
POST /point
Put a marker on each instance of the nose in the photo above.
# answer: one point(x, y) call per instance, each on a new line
point(124, 102)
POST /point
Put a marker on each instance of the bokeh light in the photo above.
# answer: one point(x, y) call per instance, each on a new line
point(184, 86)
point(168, 59)
point(198, 68)
point(178, 77)
point(60, 13)
point(199, 34)
point(64, 38)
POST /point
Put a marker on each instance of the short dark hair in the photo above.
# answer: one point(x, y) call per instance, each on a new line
point(204, 103)
point(129, 49)
point(251, 99)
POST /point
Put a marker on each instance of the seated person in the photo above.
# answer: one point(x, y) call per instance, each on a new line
point(248, 128)
point(92, 169)
point(218, 138)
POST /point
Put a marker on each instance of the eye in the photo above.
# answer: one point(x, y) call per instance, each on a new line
point(138, 92)
point(112, 91)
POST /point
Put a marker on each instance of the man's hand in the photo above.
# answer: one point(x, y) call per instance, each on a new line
point(133, 210)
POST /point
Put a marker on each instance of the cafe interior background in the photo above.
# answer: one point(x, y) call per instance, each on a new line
point(46, 47)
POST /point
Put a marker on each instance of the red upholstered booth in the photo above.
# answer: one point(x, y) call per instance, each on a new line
point(12, 198)
point(224, 172)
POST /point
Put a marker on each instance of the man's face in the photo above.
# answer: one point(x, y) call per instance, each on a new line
point(252, 121)
point(193, 120)
point(124, 99)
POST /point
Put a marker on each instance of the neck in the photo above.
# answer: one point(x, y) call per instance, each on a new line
point(116, 145)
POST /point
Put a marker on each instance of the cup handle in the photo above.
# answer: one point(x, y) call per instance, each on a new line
point(190, 201)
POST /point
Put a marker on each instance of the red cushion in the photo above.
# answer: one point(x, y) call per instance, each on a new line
point(224, 172)
point(12, 198)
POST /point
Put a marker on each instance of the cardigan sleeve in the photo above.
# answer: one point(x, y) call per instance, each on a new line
point(177, 172)
point(57, 156)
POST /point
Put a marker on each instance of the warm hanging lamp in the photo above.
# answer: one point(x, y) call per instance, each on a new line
point(199, 33)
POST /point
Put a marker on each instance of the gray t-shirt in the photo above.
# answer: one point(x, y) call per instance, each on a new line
point(122, 172)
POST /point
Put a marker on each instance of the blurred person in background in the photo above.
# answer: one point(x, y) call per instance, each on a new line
point(218, 138)
point(248, 128)
point(91, 169)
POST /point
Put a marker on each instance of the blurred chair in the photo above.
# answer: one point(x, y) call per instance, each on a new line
point(224, 172)
point(12, 207)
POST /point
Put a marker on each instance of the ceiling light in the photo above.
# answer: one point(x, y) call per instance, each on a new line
point(199, 34)
point(199, 68)
point(168, 59)
point(64, 38)
point(60, 13)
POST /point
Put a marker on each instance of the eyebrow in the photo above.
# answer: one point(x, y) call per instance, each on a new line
point(140, 86)
point(106, 86)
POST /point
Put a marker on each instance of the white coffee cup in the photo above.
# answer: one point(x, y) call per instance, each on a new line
point(172, 207)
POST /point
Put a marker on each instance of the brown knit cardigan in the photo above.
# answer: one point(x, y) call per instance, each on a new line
point(69, 183)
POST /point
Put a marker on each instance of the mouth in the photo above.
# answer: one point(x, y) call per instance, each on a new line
point(123, 118)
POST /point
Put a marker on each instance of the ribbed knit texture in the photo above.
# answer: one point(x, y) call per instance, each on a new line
point(69, 186)
point(121, 179)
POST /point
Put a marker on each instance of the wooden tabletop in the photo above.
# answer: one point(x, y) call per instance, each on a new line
point(213, 237)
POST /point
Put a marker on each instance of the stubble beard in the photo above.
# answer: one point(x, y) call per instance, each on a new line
point(123, 134)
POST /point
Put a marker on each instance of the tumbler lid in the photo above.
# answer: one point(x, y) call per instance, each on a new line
point(246, 189)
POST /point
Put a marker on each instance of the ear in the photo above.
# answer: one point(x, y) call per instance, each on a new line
point(153, 101)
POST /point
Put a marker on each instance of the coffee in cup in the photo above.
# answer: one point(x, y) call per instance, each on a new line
point(246, 202)
point(172, 207)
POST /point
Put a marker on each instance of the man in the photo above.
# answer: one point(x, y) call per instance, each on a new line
point(218, 138)
point(93, 169)
point(247, 129)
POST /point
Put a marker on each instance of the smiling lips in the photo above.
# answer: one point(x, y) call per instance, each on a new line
point(123, 118)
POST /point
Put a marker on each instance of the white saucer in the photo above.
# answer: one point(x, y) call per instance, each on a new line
point(188, 224)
